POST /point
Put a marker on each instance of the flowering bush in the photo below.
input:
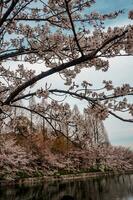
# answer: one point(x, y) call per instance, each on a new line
point(20, 162)
point(14, 158)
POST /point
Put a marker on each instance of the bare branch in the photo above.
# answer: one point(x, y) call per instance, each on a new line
point(73, 28)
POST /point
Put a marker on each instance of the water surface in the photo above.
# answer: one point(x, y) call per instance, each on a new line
point(105, 188)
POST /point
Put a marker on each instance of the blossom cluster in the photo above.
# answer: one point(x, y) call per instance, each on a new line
point(64, 40)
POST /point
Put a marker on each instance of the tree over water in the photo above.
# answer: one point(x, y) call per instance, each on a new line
point(66, 37)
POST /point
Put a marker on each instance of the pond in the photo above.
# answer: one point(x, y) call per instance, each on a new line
point(103, 188)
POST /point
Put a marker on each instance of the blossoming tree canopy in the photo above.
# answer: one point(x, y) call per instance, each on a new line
point(65, 36)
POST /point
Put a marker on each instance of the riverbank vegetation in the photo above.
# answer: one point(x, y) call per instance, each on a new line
point(36, 156)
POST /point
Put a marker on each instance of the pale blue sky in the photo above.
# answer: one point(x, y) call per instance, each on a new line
point(105, 6)
point(121, 70)
point(111, 5)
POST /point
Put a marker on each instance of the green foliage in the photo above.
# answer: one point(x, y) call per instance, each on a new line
point(94, 169)
point(22, 174)
point(38, 173)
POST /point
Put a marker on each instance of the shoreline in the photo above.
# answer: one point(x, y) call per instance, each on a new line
point(76, 176)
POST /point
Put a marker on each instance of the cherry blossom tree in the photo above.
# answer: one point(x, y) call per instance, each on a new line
point(66, 38)
point(14, 157)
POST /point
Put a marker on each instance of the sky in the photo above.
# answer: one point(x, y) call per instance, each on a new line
point(111, 5)
point(120, 71)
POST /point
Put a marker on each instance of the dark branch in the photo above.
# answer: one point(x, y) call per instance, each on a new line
point(88, 99)
point(47, 73)
point(73, 28)
point(92, 101)
point(60, 68)
point(8, 12)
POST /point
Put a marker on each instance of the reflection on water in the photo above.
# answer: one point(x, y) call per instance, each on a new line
point(111, 188)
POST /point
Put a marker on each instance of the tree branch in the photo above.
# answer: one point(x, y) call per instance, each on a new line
point(73, 28)
point(60, 68)
point(8, 12)
point(92, 101)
